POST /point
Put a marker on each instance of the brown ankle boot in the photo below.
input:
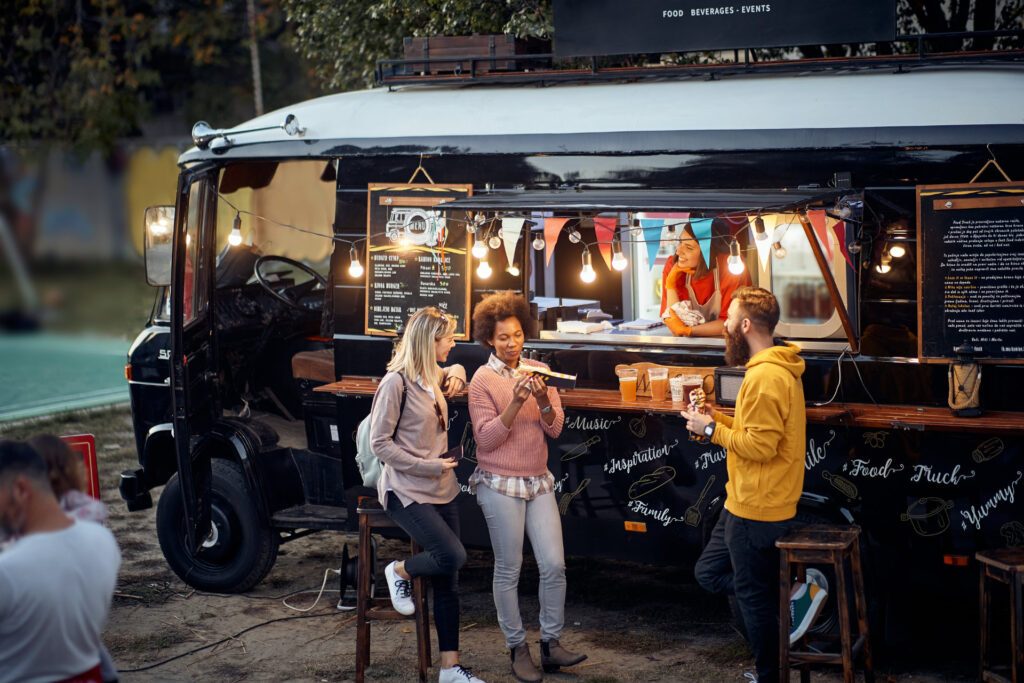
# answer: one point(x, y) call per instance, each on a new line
point(553, 656)
point(523, 666)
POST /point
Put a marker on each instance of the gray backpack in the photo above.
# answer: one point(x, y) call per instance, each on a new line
point(367, 461)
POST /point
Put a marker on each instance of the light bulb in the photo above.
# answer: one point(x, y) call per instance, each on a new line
point(619, 261)
point(513, 270)
point(355, 268)
point(854, 248)
point(587, 273)
point(479, 249)
point(883, 268)
point(897, 251)
point(470, 228)
point(483, 271)
point(575, 236)
point(735, 261)
point(494, 242)
point(780, 251)
point(538, 243)
point(844, 212)
point(760, 234)
point(235, 238)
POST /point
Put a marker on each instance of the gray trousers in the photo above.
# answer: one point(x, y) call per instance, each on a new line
point(507, 518)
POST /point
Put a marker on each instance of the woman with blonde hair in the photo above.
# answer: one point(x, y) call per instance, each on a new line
point(417, 487)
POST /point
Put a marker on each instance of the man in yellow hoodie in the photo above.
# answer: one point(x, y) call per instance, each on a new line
point(764, 442)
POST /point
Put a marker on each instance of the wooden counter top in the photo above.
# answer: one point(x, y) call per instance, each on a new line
point(863, 415)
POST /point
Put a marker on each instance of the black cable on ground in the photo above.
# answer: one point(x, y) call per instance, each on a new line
point(224, 640)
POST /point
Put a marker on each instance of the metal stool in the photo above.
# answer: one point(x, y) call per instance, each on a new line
point(368, 608)
point(1005, 565)
point(837, 546)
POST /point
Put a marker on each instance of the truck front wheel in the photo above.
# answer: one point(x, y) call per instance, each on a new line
point(240, 551)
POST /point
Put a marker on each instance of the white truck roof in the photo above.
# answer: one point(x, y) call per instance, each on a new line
point(964, 104)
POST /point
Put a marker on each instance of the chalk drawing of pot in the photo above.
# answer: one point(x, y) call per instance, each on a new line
point(928, 516)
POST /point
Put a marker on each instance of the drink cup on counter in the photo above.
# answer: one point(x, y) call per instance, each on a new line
point(659, 383)
point(691, 382)
point(627, 384)
point(678, 389)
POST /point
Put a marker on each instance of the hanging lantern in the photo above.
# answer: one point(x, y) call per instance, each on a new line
point(355, 268)
point(619, 261)
point(735, 262)
point(587, 274)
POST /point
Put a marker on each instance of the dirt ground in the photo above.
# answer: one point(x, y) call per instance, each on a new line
point(637, 623)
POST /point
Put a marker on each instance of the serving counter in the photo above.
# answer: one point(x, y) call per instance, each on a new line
point(860, 415)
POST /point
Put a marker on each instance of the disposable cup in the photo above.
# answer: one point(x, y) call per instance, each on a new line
point(659, 383)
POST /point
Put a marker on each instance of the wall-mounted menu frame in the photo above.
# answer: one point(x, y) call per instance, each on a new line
point(970, 271)
point(415, 258)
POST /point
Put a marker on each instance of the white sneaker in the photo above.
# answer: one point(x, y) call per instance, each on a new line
point(401, 591)
point(457, 674)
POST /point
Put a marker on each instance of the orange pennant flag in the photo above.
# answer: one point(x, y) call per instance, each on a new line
point(604, 229)
point(552, 229)
point(817, 218)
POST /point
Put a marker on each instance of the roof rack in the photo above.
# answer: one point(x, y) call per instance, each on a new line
point(474, 69)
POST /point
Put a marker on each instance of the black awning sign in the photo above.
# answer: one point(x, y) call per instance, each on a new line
point(611, 27)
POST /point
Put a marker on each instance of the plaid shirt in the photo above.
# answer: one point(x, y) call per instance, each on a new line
point(527, 488)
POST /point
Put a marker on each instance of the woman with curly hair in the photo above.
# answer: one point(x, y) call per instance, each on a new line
point(513, 411)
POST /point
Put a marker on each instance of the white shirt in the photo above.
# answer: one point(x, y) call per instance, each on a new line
point(55, 593)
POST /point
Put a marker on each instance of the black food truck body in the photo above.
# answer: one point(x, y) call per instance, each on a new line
point(223, 378)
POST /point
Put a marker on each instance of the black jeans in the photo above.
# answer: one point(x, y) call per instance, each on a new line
point(436, 529)
point(741, 559)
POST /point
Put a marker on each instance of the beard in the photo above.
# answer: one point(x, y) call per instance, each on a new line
point(737, 348)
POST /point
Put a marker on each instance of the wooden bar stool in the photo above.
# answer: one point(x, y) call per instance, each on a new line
point(1005, 565)
point(368, 608)
point(838, 546)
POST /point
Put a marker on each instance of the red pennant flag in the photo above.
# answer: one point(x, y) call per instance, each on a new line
point(604, 229)
point(552, 229)
point(839, 227)
point(817, 218)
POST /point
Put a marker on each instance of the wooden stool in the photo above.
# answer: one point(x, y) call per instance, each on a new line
point(1005, 565)
point(837, 546)
point(369, 608)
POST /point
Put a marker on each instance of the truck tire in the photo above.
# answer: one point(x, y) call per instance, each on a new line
point(243, 549)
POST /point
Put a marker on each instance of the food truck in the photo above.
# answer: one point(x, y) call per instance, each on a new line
point(300, 241)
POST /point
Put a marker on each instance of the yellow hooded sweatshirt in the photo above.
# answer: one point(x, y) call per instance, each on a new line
point(766, 438)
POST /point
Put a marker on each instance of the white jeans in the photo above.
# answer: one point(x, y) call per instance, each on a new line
point(507, 518)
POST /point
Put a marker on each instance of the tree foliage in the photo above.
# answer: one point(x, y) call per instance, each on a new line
point(342, 40)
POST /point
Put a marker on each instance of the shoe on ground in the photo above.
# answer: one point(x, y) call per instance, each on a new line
point(553, 656)
point(401, 591)
point(457, 674)
point(804, 607)
point(523, 666)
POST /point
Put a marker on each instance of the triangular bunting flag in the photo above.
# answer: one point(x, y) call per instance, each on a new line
point(817, 219)
point(652, 237)
point(839, 228)
point(604, 229)
point(552, 229)
point(511, 230)
point(702, 231)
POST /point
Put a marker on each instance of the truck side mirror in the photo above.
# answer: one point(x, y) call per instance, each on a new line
point(158, 230)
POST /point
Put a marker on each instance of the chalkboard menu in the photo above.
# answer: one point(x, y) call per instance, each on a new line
point(971, 270)
point(416, 257)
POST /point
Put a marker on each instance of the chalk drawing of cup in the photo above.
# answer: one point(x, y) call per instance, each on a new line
point(841, 484)
point(988, 449)
point(928, 516)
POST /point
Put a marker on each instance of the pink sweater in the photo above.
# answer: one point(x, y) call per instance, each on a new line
point(522, 450)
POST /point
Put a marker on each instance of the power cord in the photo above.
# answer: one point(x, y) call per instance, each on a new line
point(224, 640)
point(327, 573)
point(839, 381)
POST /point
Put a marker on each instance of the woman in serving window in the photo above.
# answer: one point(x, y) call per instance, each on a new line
point(695, 298)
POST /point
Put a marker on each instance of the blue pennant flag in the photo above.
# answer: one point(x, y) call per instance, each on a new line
point(652, 236)
point(702, 231)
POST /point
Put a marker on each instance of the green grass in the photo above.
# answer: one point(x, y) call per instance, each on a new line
point(109, 299)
